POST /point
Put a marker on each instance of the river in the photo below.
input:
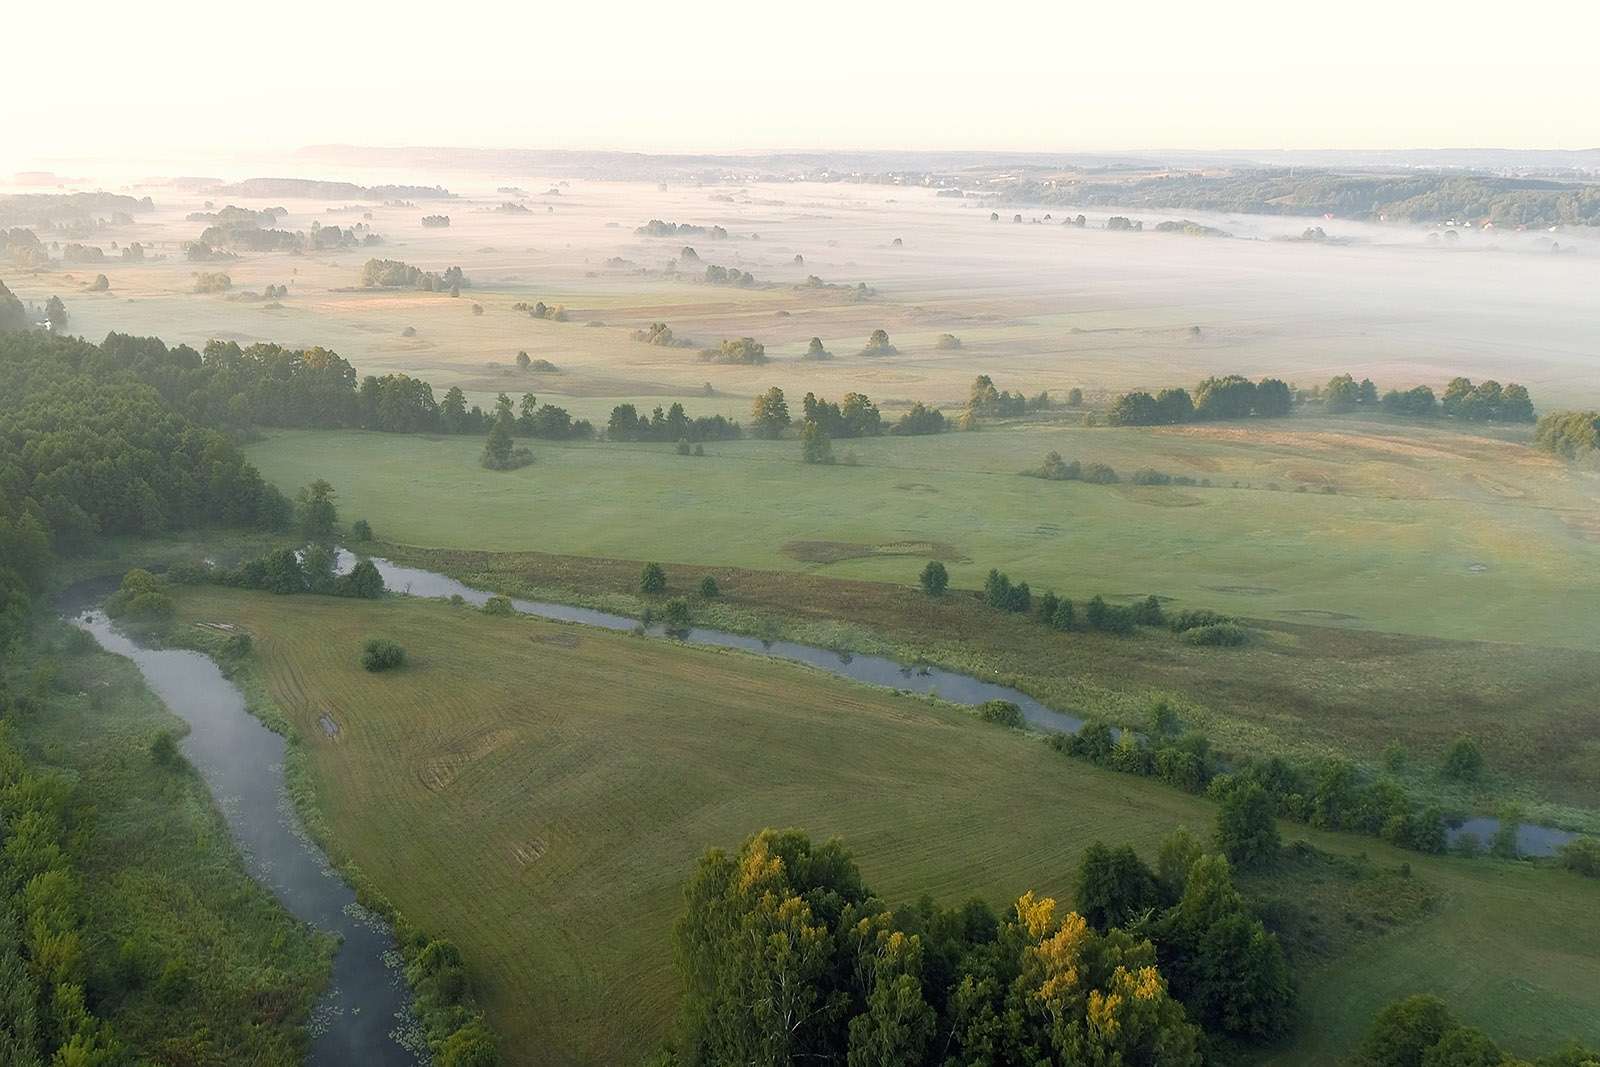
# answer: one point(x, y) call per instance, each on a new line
point(364, 1017)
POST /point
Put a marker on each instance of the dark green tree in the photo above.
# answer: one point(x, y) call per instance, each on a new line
point(653, 580)
point(1404, 1031)
point(934, 578)
point(1247, 832)
point(1114, 887)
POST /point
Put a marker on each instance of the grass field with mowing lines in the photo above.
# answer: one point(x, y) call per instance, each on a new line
point(1429, 532)
point(538, 793)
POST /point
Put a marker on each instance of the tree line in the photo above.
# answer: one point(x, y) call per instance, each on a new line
point(1236, 397)
point(670, 426)
point(1231, 396)
point(88, 450)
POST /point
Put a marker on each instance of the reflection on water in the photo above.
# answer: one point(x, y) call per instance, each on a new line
point(365, 1016)
point(916, 677)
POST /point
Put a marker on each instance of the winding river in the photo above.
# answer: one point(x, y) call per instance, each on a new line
point(1532, 840)
point(365, 1016)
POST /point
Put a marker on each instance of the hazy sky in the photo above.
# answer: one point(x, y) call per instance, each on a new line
point(170, 78)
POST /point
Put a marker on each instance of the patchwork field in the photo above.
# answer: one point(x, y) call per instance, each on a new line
point(1373, 524)
point(538, 792)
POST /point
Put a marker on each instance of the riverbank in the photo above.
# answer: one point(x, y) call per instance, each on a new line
point(1303, 692)
point(537, 791)
point(188, 959)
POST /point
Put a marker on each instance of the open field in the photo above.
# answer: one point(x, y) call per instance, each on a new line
point(1427, 531)
point(1038, 306)
point(1298, 689)
point(540, 791)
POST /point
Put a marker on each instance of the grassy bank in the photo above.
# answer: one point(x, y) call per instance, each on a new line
point(1300, 690)
point(188, 959)
point(538, 792)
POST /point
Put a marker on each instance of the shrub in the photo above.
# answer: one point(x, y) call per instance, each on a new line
point(653, 580)
point(164, 750)
point(677, 616)
point(709, 589)
point(1463, 760)
point(1222, 634)
point(1196, 617)
point(1064, 615)
point(237, 646)
point(1581, 855)
point(1148, 612)
point(1001, 712)
point(1404, 1031)
point(1099, 474)
point(934, 578)
point(361, 530)
point(498, 605)
point(878, 344)
point(382, 655)
point(364, 580)
point(471, 1046)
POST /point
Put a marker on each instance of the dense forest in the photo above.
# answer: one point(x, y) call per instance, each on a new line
point(87, 449)
point(1422, 198)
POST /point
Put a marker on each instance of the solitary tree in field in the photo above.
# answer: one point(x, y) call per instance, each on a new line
point(653, 580)
point(56, 312)
point(708, 588)
point(523, 361)
point(814, 444)
point(497, 449)
point(935, 579)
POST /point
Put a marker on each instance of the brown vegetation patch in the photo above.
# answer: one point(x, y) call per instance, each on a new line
point(530, 852)
point(1159, 496)
point(1243, 590)
point(1318, 613)
point(1209, 464)
point(1586, 527)
point(838, 551)
point(561, 640)
point(916, 487)
point(438, 772)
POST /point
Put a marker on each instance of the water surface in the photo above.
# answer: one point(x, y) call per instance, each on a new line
point(365, 1016)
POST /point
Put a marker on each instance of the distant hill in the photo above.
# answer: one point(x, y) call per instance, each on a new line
point(313, 189)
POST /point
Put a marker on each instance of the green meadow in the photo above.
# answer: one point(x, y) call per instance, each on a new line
point(1373, 524)
point(540, 792)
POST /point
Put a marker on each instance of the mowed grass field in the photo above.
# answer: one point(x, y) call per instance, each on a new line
point(538, 793)
point(1376, 524)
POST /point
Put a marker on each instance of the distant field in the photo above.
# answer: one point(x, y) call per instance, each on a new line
point(1036, 306)
point(1378, 525)
point(538, 792)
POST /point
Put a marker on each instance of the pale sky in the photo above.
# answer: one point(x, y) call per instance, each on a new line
point(162, 79)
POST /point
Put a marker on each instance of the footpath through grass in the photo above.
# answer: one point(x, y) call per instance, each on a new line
point(538, 793)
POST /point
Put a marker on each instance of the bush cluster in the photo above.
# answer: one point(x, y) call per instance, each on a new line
point(380, 654)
